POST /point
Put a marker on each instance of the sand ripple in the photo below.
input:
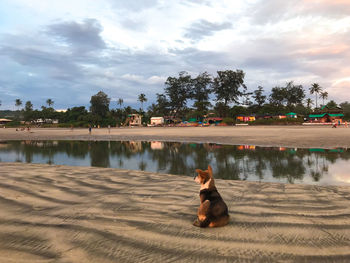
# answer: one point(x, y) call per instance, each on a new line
point(82, 214)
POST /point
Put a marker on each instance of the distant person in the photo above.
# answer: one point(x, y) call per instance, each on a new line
point(334, 125)
point(339, 123)
point(90, 129)
point(109, 128)
point(346, 124)
point(71, 127)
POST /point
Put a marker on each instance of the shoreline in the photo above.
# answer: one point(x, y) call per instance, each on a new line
point(89, 214)
point(266, 136)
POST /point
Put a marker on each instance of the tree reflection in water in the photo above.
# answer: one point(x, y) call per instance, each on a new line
point(229, 162)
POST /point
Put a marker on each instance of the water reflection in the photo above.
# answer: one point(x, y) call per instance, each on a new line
point(242, 162)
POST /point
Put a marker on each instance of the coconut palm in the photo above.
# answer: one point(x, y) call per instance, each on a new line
point(315, 89)
point(142, 98)
point(324, 95)
point(309, 102)
point(49, 102)
point(120, 102)
point(18, 103)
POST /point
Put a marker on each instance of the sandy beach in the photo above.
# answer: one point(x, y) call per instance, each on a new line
point(287, 136)
point(81, 214)
point(51, 213)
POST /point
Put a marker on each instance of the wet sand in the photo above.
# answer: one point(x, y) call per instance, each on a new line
point(88, 214)
point(287, 136)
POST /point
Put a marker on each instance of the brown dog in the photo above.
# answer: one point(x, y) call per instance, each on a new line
point(213, 211)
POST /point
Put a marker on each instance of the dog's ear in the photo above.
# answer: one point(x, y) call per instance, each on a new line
point(210, 171)
point(198, 171)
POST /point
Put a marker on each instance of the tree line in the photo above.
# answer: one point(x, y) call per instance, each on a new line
point(185, 97)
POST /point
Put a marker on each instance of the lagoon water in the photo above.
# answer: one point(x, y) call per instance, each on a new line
point(236, 162)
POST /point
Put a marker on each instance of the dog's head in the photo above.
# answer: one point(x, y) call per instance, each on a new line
point(205, 178)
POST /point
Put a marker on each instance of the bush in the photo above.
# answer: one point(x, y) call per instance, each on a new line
point(13, 124)
point(229, 121)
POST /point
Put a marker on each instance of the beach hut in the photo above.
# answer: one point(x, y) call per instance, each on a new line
point(279, 116)
point(326, 114)
point(133, 120)
point(156, 121)
point(4, 121)
point(243, 118)
point(291, 115)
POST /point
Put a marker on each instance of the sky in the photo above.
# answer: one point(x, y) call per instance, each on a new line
point(70, 50)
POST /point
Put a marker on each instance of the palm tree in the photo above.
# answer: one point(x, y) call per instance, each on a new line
point(315, 88)
point(120, 102)
point(142, 98)
point(0, 103)
point(49, 102)
point(324, 95)
point(309, 102)
point(18, 103)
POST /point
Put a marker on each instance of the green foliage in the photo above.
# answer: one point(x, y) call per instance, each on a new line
point(142, 98)
point(229, 121)
point(161, 108)
point(229, 86)
point(238, 110)
point(259, 97)
point(199, 92)
point(18, 103)
point(14, 124)
point(49, 102)
point(100, 104)
point(287, 96)
point(221, 109)
point(178, 90)
point(332, 104)
point(315, 89)
point(346, 107)
point(75, 114)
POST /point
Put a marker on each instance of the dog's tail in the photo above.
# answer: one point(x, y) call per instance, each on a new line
point(222, 221)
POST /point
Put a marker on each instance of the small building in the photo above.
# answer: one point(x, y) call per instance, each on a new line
point(279, 116)
point(133, 120)
point(291, 115)
point(326, 117)
point(156, 121)
point(327, 114)
point(4, 121)
point(243, 118)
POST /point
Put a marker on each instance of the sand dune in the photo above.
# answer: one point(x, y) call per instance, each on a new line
point(84, 214)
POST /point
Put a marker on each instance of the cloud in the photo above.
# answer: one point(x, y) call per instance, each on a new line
point(134, 5)
point(125, 47)
point(202, 28)
point(81, 37)
point(274, 11)
point(142, 80)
